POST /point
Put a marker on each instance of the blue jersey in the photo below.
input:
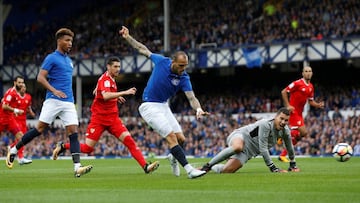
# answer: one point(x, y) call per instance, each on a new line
point(162, 83)
point(60, 70)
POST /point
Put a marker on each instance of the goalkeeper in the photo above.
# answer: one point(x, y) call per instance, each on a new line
point(255, 139)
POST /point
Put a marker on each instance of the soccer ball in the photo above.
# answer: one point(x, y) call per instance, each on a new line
point(342, 152)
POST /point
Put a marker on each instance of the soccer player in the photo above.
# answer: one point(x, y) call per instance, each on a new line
point(105, 116)
point(167, 78)
point(24, 101)
point(255, 139)
point(9, 111)
point(56, 76)
point(299, 91)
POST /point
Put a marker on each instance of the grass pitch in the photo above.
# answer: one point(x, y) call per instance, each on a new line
point(122, 180)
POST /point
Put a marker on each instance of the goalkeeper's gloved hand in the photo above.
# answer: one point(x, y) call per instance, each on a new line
point(275, 169)
point(293, 167)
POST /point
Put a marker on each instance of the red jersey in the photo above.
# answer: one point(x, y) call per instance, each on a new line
point(10, 98)
point(23, 103)
point(99, 106)
point(7, 118)
point(300, 93)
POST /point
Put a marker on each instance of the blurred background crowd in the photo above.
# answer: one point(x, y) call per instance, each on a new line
point(194, 23)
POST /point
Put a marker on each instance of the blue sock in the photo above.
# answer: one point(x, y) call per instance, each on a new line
point(75, 147)
point(179, 155)
point(27, 137)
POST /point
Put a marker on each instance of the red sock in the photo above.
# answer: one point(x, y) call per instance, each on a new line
point(295, 135)
point(283, 152)
point(20, 151)
point(134, 150)
point(67, 145)
point(84, 148)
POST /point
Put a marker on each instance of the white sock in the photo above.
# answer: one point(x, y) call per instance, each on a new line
point(13, 150)
point(188, 168)
point(217, 168)
point(76, 166)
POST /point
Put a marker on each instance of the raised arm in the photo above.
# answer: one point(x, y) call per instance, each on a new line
point(142, 49)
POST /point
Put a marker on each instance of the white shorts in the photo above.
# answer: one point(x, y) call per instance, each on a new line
point(159, 117)
point(53, 108)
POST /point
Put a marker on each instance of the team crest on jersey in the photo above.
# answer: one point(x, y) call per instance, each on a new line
point(92, 130)
point(175, 81)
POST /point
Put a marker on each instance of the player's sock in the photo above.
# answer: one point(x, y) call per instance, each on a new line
point(134, 150)
point(75, 147)
point(179, 155)
point(295, 136)
point(222, 155)
point(283, 152)
point(20, 153)
point(67, 145)
point(84, 148)
point(27, 137)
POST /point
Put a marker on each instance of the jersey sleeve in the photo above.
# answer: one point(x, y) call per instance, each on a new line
point(264, 132)
point(186, 84)
point(291, 87)
point(7, 98)
point(157, 58)
point(47, 63)
point(104, 85)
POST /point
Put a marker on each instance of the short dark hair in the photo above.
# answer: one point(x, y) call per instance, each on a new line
point(18, 77)
point(283, 110)
point(112, 59)
point(63, 31)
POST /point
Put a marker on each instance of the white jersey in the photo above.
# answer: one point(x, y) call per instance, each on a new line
point(260, 136)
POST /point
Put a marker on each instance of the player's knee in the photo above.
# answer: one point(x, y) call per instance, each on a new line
point(237, 145)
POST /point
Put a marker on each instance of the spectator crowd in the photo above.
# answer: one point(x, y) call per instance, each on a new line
point(206, 137)
point(230, 24)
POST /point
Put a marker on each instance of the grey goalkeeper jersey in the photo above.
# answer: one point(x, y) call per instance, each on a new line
point(260, 136)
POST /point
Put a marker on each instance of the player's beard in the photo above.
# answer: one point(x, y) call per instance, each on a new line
point(18, 88)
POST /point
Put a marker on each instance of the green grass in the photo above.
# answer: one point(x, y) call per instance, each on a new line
point(122, 180)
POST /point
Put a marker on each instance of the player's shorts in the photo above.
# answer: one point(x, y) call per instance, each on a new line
point(243, 156)
point(9, 123)
point(113, 125)
point(22, 125)
point(296, 120)
point(160, 118)
point(53, 108)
